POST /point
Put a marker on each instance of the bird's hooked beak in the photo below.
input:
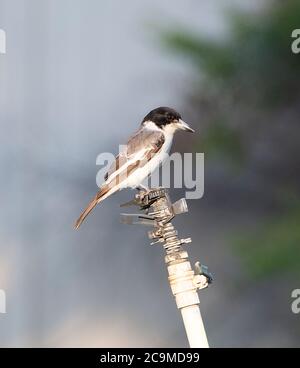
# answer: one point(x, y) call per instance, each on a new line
point(184, 126)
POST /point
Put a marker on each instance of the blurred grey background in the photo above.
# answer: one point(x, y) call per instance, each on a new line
point(78, 76)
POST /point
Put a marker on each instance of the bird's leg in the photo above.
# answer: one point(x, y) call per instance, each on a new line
point(143, 190)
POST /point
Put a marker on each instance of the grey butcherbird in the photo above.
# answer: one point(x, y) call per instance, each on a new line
point(143, 153)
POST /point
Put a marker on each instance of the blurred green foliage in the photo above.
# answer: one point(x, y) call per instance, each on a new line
point(247, 98)
point(255, 58)
point(274, 248)
point(221, 138)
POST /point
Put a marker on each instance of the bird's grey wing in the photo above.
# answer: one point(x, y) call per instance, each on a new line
point(139, 150)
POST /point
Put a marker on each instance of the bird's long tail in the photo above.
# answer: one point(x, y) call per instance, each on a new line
point(103, 193)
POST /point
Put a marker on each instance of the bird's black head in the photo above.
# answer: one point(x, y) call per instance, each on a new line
point(167, 119)
point(162, 116)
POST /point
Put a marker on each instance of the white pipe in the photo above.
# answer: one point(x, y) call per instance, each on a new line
point(194, 327)
point(184, 288)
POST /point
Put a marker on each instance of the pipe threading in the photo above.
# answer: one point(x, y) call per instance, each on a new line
point(163, 214)
point(172, 243)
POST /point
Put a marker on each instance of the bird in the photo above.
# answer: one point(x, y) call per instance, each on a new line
point(143, 153)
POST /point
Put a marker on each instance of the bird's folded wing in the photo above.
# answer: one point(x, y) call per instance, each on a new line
point(139, 150)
